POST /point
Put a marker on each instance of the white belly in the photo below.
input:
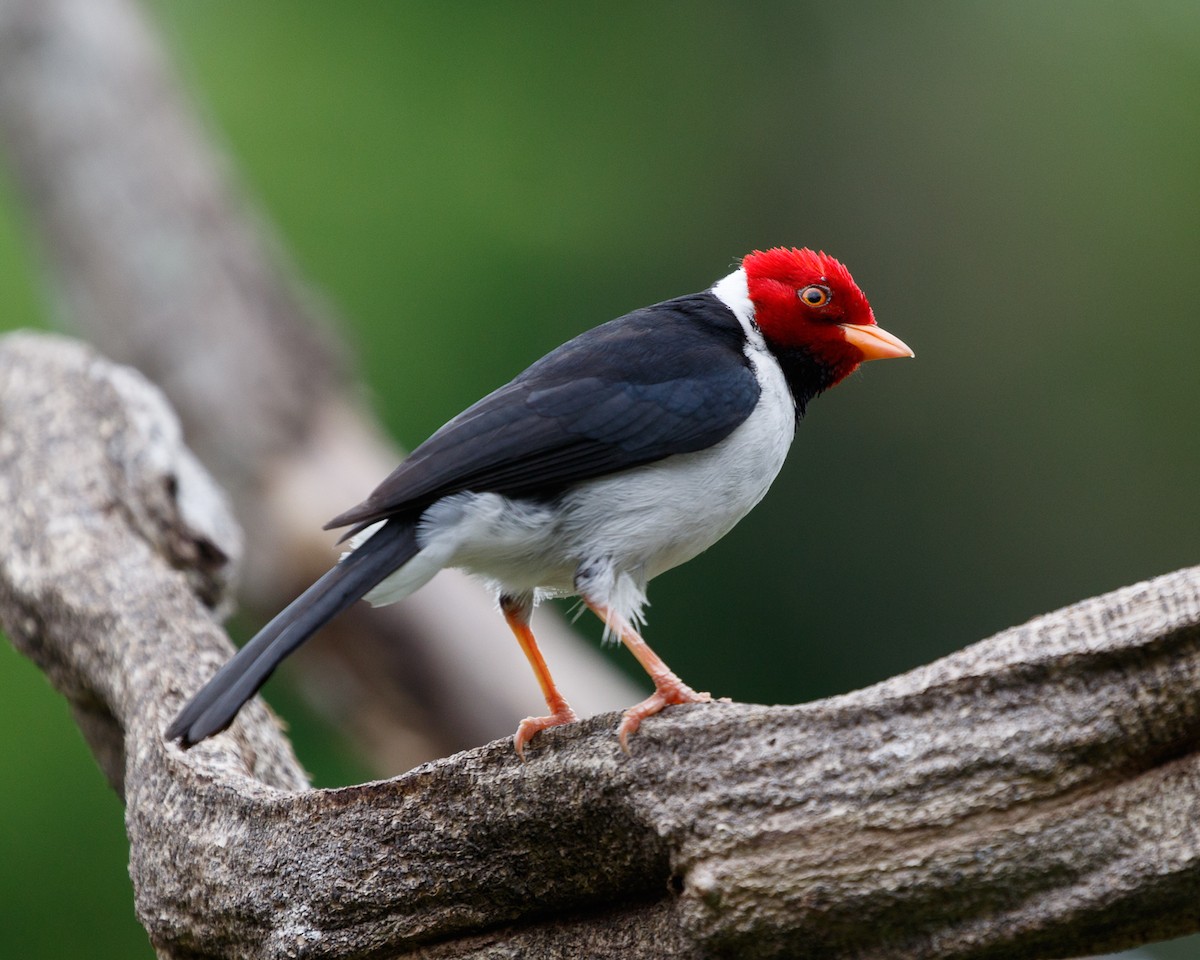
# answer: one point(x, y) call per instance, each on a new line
point(611, 535)
point(656, 517)
point(618, 531)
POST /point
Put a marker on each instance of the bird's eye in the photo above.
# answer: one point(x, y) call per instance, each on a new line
point(814, 295)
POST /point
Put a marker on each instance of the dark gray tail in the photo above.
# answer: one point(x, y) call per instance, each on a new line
point(218, 702)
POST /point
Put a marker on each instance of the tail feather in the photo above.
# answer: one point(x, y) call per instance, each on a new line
point(218, 702)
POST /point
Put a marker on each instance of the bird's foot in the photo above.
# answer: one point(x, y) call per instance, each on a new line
point(668, 690)
point(531, 726)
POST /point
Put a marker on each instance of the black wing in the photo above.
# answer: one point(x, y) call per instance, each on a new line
point(663, 380)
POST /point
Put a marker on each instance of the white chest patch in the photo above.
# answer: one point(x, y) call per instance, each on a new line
point(610, 536)
point(616, 532)
point(658, 516)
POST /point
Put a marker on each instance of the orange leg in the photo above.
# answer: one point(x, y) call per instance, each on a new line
point(516, 614)
point(668, 688)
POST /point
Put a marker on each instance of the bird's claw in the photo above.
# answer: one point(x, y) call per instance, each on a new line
point(531, 726)
point(667, 693)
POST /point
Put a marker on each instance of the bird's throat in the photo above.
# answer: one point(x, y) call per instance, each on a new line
point(806, 376)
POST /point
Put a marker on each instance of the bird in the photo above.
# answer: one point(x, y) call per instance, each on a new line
point(619, 455)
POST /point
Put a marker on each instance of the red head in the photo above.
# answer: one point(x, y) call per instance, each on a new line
point(806, 302)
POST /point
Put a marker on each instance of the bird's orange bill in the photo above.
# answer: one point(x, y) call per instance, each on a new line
point(875, 342)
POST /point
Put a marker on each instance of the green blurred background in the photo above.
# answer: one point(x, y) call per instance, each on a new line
point(1016, 186)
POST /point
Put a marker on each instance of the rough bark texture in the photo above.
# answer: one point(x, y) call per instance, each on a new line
point(158, 258)
point(1032, 796)
point(1035, 795)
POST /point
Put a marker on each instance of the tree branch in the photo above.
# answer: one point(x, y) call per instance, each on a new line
point(1033, 795)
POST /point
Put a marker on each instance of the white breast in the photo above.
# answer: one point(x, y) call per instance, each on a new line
point(619, 531)
point(612, 535)
point(658, 516)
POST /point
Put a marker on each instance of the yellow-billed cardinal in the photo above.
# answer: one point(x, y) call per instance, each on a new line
point(621, 454)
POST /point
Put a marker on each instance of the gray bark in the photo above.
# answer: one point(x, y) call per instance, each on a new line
point(1032, 796)
point(1035, 795)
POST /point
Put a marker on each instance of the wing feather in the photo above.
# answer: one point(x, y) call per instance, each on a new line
point(664, 380)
